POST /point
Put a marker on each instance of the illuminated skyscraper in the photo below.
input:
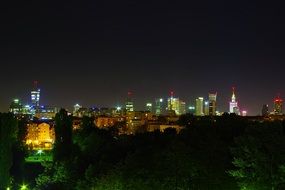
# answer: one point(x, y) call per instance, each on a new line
point(148, 107)
point(170, 103)
point(265, 110)
point(129, 103)
point(76, 108)
point(234, 104)
point(212, 104)
point(206, 108)
point(278, 106)
point(191, 110)
point(182, 108)
point(159, 106)
point(199, 106)
point(173, 105)
point(176, 105)
point(35, 95)
point(16, 107)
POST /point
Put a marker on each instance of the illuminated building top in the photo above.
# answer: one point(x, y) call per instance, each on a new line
point(233, 95)
point(278, 106)
point(212, 103)
point(234, 104)
point(129, 103)
point(35, 95)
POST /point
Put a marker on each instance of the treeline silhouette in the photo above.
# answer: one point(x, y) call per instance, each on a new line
point(228, 152)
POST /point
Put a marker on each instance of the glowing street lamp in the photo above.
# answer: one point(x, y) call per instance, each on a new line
point(40, 152)
point(24, 187)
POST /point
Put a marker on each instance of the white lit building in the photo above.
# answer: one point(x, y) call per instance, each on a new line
point(35, 97)
point(148, 107)
point(176, 105)
point(159, 106)
point(234, 104)
point(199, 110)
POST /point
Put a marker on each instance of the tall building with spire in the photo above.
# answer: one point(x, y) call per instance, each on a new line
point(234, 104)
point(278, 106)
point(76, 109)
point(175, 105)
point(35, 95)
point(129, 103)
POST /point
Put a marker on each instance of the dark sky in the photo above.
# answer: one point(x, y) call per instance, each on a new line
point(93, 53)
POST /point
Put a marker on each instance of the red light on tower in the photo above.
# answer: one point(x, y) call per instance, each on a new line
point(129, 94)
point(278, 104)
point(278, 99)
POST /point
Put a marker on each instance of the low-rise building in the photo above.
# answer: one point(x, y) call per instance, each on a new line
point(40, 136)
point(104, 121)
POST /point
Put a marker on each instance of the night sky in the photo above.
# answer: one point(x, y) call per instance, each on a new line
point(94, 53)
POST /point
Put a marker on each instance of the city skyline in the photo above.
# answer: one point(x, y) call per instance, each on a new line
point(93, 53)
point(137, 94)
point(137, 105)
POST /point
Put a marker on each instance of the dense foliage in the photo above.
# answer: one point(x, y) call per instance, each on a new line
point(228, 152)
point(12, 150)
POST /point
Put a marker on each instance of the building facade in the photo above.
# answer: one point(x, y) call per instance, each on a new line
point(199, 108)
point(265, 110)
point(234, 104)
point(175, 105)
point(148, 107)
point(212, 104)
point(278, 106)
point(159, 106)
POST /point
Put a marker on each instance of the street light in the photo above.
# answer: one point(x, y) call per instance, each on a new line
point(40, 152)
point(24, 187)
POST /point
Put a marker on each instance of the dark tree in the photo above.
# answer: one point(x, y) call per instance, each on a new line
point(8, 135)
point(20, 152)
point(63, 136)
point(259, 158)
point(88, 125)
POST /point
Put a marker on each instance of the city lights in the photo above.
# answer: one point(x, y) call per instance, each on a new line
point(139, 95)
point(203, 107)
point(191, 107)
